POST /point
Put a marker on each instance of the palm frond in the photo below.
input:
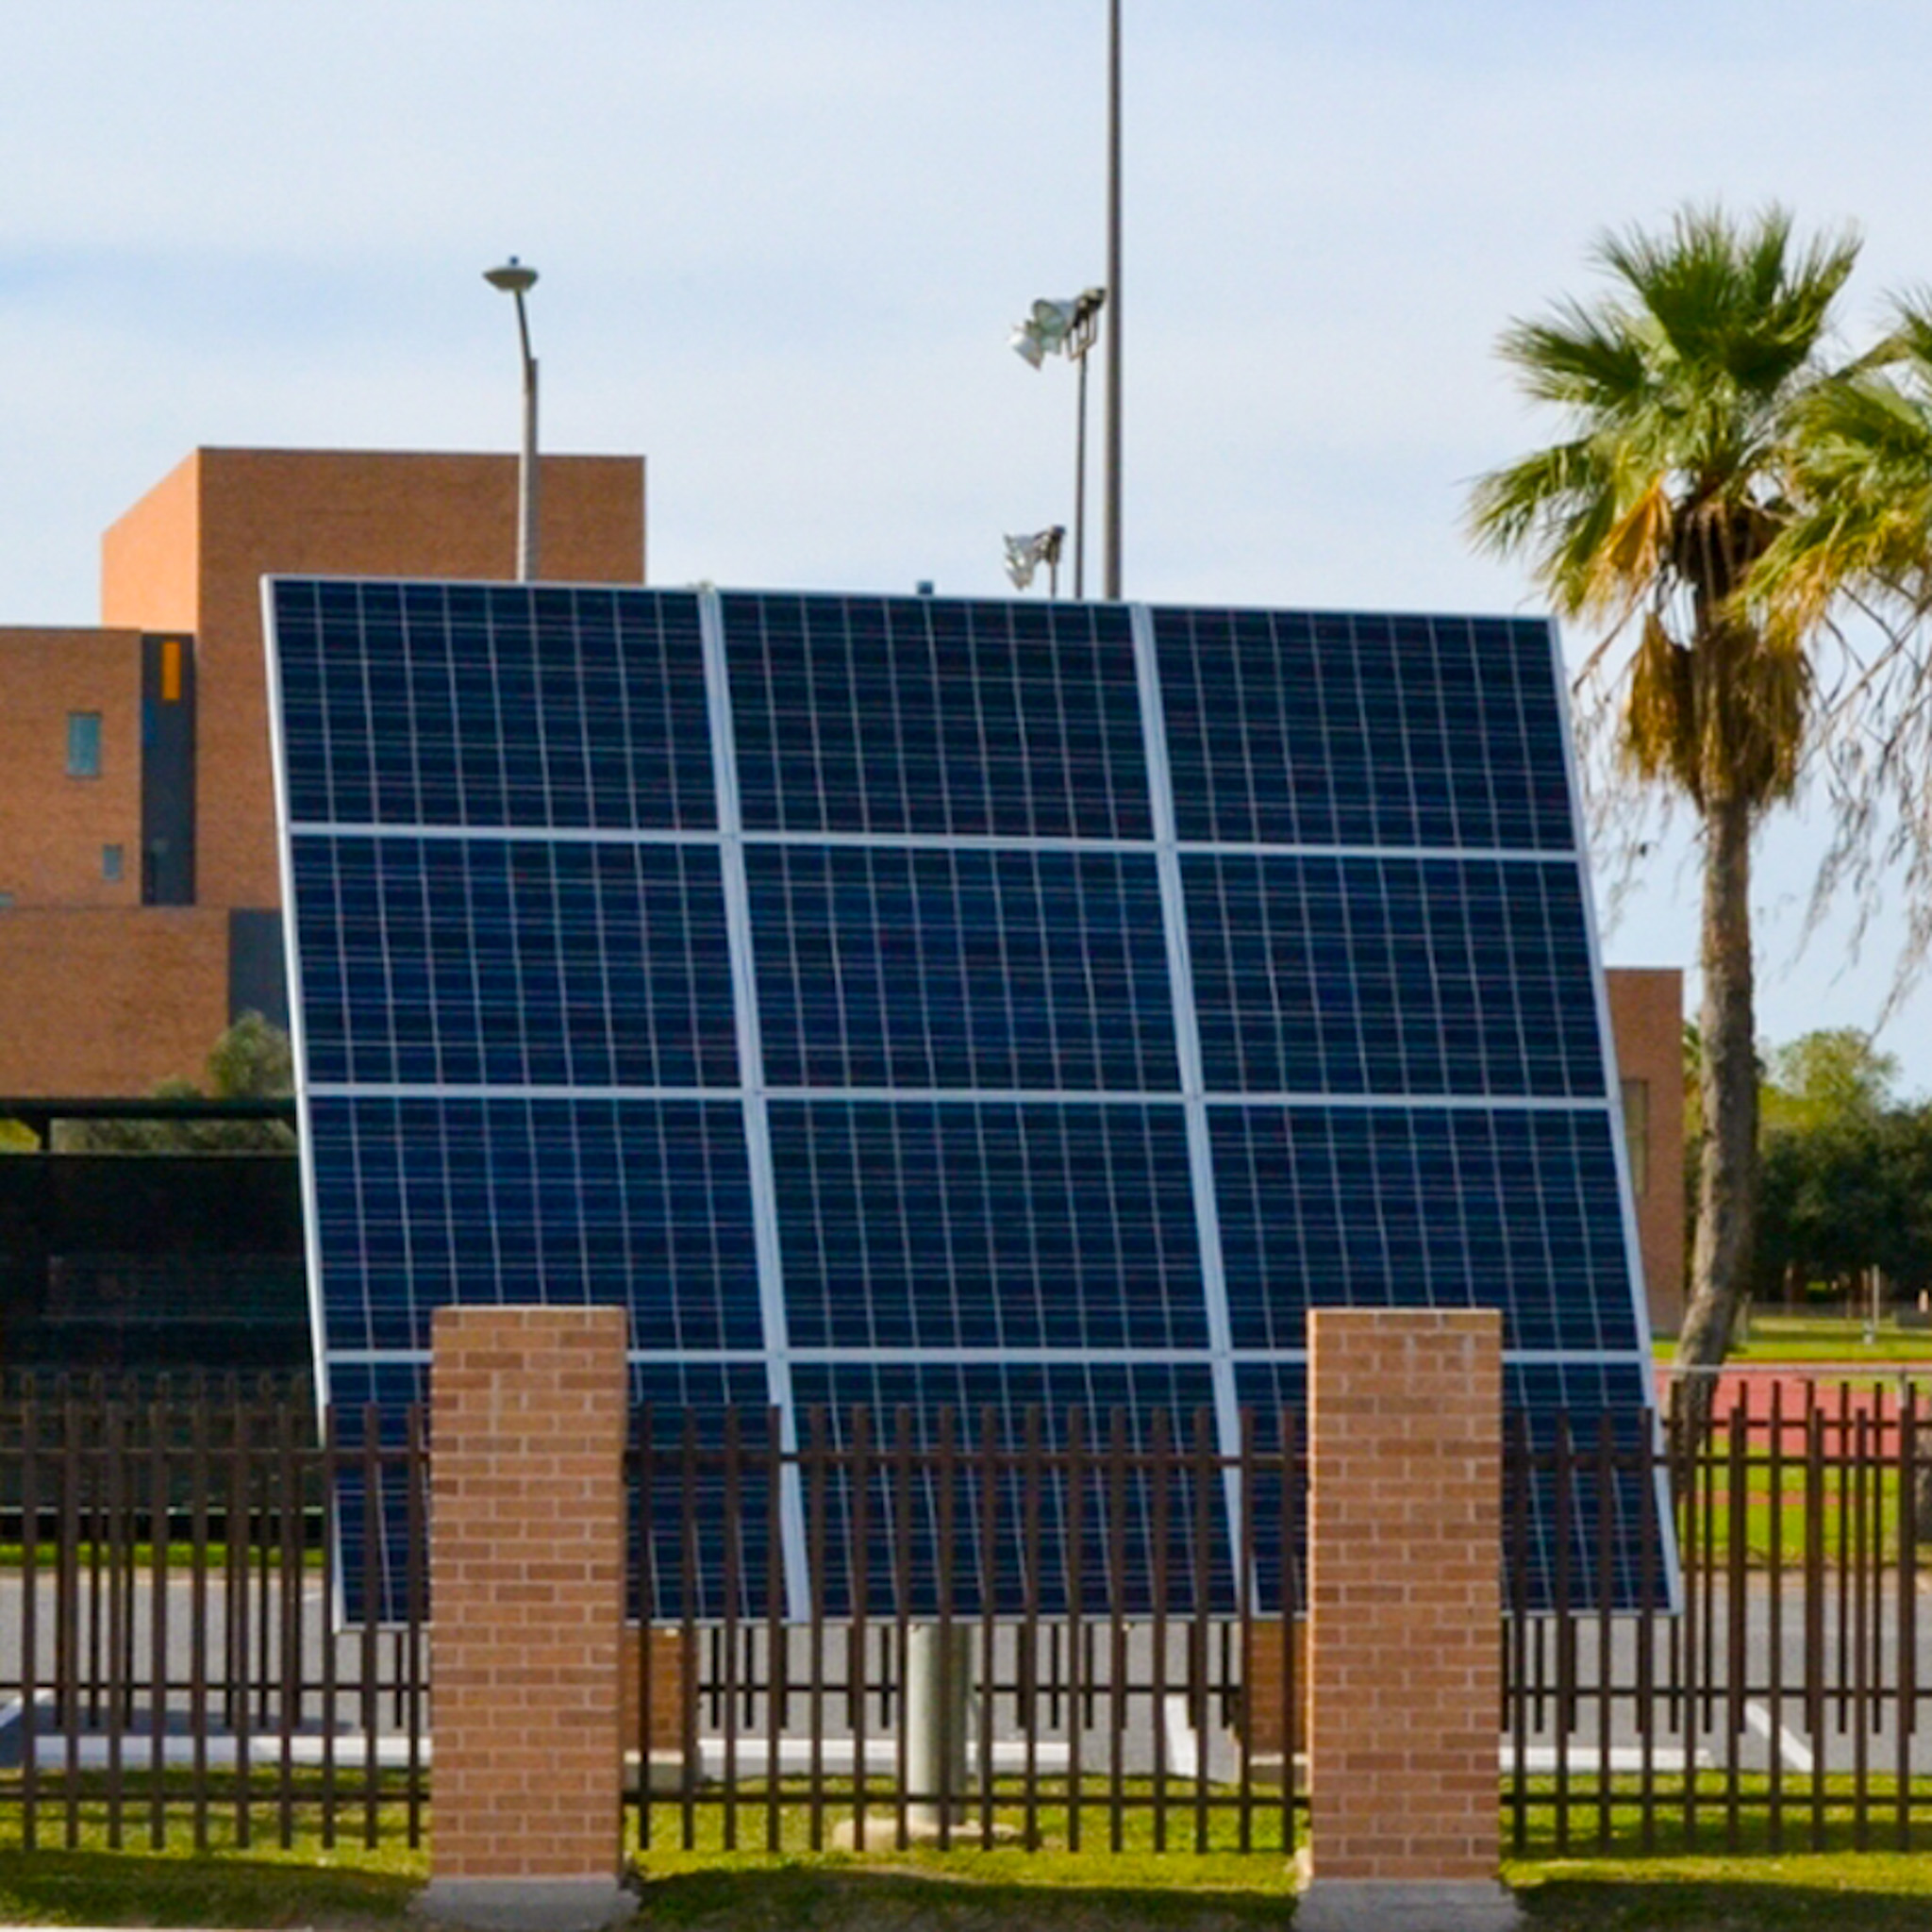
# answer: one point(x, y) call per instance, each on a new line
point(1588, 362)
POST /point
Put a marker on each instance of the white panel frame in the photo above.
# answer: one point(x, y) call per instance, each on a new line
point(751, 1062)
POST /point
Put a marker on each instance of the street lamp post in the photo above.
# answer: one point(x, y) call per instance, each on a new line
point(1112, 506)
point(515, 279)
point(1069, 329)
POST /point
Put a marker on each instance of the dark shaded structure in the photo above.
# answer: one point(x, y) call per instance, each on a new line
point(157, 1261)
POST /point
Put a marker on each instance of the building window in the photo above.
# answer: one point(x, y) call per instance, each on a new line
point(111, 864)
point(83, 744)
point(1637, 1134)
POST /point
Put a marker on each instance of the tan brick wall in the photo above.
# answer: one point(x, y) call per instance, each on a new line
point(526, 1591)
point(238, 513)
point(107, 1004)
point(1647, 1023)
point(53, 827)
point(1267, 1694)
point(667, 1687)
point(1403, 1421)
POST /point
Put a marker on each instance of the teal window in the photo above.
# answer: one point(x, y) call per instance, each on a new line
point(83, 744)
point(112, 863)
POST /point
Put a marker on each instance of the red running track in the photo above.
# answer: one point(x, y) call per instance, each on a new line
point(1841, 1391)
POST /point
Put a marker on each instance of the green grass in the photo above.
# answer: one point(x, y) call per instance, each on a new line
point(1821, 1338)
point(1007, 1890)
point(261, 1885)
point(1867, 1891)
point(1877, 1506)
point(1052, 1823)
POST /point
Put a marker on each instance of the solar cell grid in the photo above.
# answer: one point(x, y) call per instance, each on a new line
point(1413, 1208)
point(943, 1002)
point(432, 1199)
point(1291, 728)
point(1345, 973)
point(440, 704)
point(1013, 1408)
point(926, 968)
point(947, 719)
point(991, 1225)
point(524, 962)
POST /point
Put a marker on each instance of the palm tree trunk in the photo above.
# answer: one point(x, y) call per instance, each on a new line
point(1727, 1191)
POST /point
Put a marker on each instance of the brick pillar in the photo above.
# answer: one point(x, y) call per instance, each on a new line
point(528, 1417)
point(1269, 1660)
point(667, 1686)
point(1404, 1557)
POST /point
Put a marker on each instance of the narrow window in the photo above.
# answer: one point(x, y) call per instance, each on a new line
point(83, 744)
point(111, 864)
point(1637, 1134)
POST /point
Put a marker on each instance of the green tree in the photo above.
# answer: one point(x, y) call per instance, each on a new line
point(1830, 1149)
point(1684, 390)
point(1843, 1193)
point(252, 1060)
point(1834, 1076)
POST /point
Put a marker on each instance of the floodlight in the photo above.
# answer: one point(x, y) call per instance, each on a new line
point(1067, 328)
point(1026, 553)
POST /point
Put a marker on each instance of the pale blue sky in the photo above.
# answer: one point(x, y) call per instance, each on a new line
point(781, 245)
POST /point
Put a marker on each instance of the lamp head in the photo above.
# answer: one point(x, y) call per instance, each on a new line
point(513, 278)
point(1059, 329)
point(1026, 552)
point(1026, 344)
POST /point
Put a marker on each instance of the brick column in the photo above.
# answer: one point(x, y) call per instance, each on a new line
point(668, 1673)
point(528, 1417)
point(1405, 1558)
point(1270, 1659)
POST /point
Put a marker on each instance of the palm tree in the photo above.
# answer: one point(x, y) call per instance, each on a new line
point(1865, 475)
point(1687, 387)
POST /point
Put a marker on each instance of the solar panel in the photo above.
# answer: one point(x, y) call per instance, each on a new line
point(974, 1007)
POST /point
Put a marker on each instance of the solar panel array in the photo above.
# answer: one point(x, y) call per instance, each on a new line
point(944, 1002)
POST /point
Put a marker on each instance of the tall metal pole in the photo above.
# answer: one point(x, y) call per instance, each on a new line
point(518, 278)
point(1080, 488)
point(527, 461)
point(1113, 300)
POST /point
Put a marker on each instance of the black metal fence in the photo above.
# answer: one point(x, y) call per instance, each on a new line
point(1716, 1644)
point(1118, 1677)
point(171, 1654)
point(1777, 1699)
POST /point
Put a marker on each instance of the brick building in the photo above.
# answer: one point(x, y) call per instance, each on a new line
point(139, 877)
point(139, 886)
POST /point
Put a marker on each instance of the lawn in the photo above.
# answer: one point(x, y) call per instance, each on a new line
point(1006, 1889)
point(1798, 1339)
point(1873, 1891)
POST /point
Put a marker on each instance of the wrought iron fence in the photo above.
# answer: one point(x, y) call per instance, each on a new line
point(1113, 1664)
point(1717, 1645)
point(173, 1655)
point(1776, 1699)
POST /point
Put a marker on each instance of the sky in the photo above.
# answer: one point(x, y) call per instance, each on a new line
point(781, 247)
